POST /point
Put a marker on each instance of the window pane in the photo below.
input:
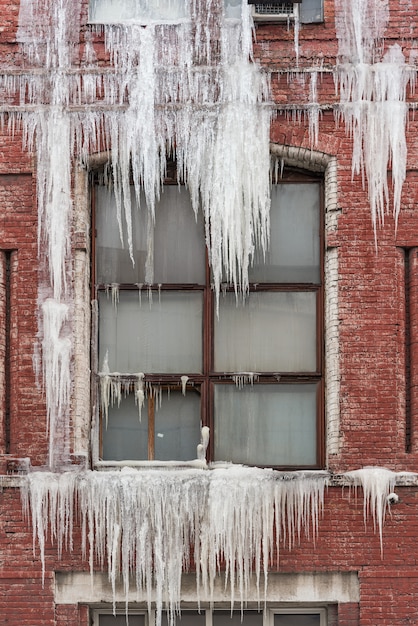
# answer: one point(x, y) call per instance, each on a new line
point(311, 11)
point(126, 436)
point(190, 618)
point(269, 332)
point(136, 10)
point(179, 246)
point(248, 618)
point(162, 336)
point(293, 256)
point(177, 428)
point(174, 252)
point(120, 620)
point(310, 619)
point(266, 424)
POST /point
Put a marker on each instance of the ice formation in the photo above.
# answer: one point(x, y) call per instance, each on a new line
point(186, 88)
point(150, 526)
point(372, 88)
point(245, 378)
point(196, 93)
point(377, 484)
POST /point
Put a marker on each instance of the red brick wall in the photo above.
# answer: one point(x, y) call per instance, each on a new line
point(372, 355)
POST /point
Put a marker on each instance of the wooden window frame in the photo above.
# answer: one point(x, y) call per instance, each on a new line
point(267, 615)
point(206, 380)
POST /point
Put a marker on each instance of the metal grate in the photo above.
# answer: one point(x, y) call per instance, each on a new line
point(281, 8)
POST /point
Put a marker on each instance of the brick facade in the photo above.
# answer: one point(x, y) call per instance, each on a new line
point(371, 340)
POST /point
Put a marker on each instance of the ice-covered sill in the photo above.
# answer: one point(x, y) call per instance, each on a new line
point(163, 465)
point(133, 22)
point(401, 479)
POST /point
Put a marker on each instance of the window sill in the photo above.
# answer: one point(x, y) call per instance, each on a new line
point(114, 465)
point(135, 22)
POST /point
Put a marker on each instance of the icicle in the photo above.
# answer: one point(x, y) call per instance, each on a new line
point(244, 378)
point(202, 447)
point(296, 28)
point(377, 483)
point(113, 385)
point(56, 350)
point(184, 380)
point(373, 100)
point(313, 111)
point(115, 294)
point(188, 85)
point(139, 393)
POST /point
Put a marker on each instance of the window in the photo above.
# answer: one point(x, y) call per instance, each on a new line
point(119, 11)
point(307, 11)
point(143, 11)
point(284, 617)
point(168, 365)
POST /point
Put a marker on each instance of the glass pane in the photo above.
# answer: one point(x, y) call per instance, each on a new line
point(179, 240)
point(126, 436)
point(190, 618)
point(173, 252)
point(293, 256)
point(177, 428)
point(311, 619)
point(268, 332)
point(266, 424)
point(249, 618)
point(120, 620)
point(105, 11)
point(162, 336)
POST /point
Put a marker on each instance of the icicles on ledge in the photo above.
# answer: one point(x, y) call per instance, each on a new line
point(142, 524)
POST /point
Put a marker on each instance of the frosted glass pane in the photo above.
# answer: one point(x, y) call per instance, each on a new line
point(117, 11)
point(177, 429)
point(162, 336)
point(266, 424)
point(179, 240)
point(177, 426)
point(174, 251)
point(248, 618)
point(293, 256)
point(269, 332)
point(125, 437)
point(310, 619)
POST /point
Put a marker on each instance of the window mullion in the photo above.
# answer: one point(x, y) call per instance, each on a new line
point(151, 427)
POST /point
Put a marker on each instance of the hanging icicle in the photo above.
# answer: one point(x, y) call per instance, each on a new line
point(141, 524)
point(187, 85)
point(372, 89)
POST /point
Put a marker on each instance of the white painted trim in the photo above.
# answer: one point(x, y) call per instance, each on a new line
point(316, 161)
point(303, 588)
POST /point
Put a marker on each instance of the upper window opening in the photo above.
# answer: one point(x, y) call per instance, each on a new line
point(305, 11)
point(274, 617)
point(137, 11)
point(168, 365)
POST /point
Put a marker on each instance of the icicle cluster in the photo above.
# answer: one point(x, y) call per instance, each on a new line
point(186, 89)
point(377, 483)
point(146, 526)
point(373, 99)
